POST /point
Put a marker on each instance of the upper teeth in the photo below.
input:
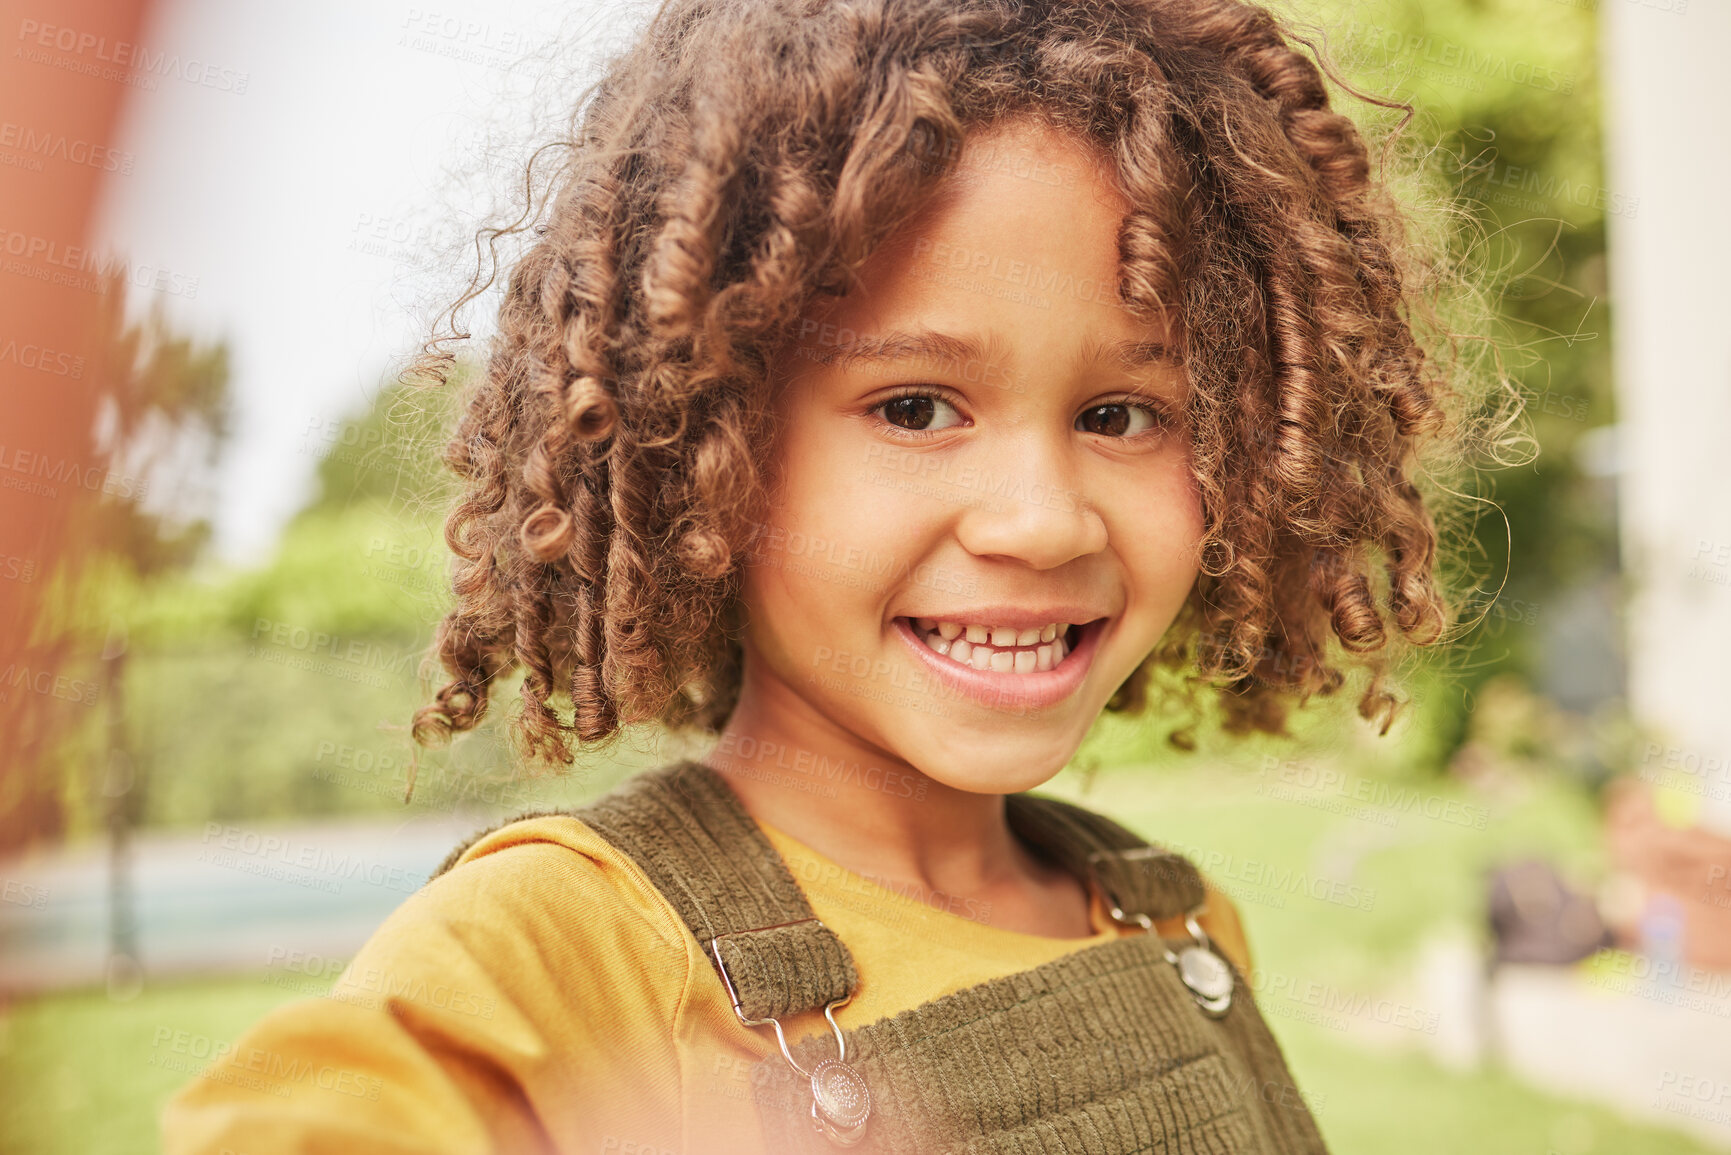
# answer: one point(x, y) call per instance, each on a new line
point(997, 648)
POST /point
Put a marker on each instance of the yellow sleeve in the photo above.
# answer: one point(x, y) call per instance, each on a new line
point(462, 1024)
point(322, 1076)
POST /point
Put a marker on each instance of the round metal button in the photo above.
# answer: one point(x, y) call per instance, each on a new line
point(840, 1101)
point(1207, 976)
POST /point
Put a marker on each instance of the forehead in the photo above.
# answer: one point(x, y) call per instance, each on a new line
point(1020, 243)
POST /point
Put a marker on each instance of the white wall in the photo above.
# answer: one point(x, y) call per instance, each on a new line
point(1668, 126)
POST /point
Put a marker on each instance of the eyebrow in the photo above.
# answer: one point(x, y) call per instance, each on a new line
point(1132, 354)
point(927, 346)
point(923, 345)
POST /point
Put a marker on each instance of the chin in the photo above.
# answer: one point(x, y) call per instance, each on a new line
point(1008, 765)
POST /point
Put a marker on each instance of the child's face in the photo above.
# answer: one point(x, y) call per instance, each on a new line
point(978, 434)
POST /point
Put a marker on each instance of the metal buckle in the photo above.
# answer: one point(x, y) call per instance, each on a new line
point(1207, 975)
point(840, 1100)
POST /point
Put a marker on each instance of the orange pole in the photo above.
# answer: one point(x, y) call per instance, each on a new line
point(63, 86)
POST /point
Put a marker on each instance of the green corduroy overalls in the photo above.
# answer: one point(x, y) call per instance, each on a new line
point(1104, 1051)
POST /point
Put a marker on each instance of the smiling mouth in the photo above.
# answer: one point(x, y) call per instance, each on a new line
point(998, 649)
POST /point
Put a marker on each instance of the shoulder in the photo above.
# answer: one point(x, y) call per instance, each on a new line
point(540, 960)
point(536, 905)
point(549, 871)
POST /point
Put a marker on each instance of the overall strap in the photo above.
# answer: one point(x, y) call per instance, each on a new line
point(687, 830)
point(1139, 880)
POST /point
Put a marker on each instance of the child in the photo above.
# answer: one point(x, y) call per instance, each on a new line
point(892, 387)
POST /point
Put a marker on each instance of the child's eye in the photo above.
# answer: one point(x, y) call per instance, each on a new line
point(919, 412)
point(1119, 419)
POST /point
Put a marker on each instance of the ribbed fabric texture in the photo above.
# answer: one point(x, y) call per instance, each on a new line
point(1139, 878)
point(1100, 1052)
point(686, 828)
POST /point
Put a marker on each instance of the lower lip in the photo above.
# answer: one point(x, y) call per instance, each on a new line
point(1007, 691)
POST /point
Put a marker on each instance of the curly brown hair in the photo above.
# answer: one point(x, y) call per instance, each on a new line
point(746, 155)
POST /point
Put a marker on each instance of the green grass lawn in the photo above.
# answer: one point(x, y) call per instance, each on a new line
point(80, 1072)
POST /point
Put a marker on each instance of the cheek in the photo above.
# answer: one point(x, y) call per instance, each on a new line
point(825, 495)
point(831, 542)
point(857, 491)
point(1159, 532)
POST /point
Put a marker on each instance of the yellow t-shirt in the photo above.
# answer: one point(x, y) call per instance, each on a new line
point(542, 996)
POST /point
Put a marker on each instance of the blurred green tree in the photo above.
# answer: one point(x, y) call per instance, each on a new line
point(1504, 155)
point(163, 409)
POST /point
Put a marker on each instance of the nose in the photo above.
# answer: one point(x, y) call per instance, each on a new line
point(1030, 508)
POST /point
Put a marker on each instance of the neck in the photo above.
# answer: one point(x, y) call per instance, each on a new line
point(860, 805)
